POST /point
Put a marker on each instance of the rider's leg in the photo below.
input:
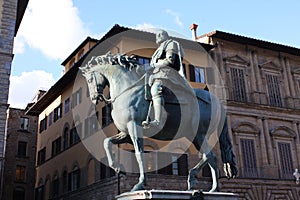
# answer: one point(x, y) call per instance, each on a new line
point(158, 103)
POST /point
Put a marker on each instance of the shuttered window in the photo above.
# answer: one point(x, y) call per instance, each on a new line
point(249, 158)
point(285, 156)
point(238, 85)
point(274, 90)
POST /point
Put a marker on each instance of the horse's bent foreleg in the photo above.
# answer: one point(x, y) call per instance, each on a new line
point(136, 133)
point(116, 139)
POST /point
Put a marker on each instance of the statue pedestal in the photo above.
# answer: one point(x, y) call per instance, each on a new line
point(174, 194)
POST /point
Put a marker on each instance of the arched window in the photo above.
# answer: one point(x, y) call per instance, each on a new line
point(55, 186)
point(74, 179)
point(91, 172)
point(47, 188)
point(66, 138)
point(65, 181)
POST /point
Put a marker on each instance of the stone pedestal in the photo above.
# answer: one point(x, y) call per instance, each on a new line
point(174, 194)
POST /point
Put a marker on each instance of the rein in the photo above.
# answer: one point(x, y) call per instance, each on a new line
point(111, 100)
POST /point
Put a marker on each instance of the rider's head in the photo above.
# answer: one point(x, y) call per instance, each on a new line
point(161, 36)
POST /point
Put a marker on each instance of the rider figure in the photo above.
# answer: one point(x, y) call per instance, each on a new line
point(169, 54)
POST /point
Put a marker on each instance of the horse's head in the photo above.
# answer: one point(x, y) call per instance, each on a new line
point(96, 83)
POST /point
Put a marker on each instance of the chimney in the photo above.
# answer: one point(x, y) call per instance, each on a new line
point(193, 28)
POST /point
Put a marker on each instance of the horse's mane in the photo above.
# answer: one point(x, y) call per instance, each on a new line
point(127, 62)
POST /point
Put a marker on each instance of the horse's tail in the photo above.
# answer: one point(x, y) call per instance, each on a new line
point(227, 155)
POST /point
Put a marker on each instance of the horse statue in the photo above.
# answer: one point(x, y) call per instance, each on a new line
point(190, 119)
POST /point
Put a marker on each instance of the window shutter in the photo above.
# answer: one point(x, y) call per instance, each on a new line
point(192, 73)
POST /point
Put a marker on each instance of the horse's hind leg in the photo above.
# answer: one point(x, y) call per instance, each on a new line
point(116, 139)
point(211, 160)
point(192, 178)
point(208, 158)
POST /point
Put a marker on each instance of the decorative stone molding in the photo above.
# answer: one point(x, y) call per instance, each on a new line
point(247, 128)
point(237, 60)
point(271, 67)
point(282, 132)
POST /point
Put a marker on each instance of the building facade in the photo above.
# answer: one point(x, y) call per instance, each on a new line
point(262, 90)
point(11, 14)
point(259, 89)
point(19, 169)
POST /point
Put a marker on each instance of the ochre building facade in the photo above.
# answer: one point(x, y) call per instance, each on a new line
point(257, 81)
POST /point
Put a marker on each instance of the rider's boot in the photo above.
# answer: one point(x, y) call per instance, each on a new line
point(157, 106)
point(158, 103)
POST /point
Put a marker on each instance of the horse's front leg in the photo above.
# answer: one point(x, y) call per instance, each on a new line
point(136, 134)
point(116, 139)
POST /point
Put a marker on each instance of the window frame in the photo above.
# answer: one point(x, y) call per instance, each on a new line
point(19, 153)
point(192, 74)
point(23, 122)
point(20, 173)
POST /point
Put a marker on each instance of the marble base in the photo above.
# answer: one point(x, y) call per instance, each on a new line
point(174, 194)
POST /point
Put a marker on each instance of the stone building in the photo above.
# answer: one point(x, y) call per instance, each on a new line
point(11, 14)
point(262, 91)
point(19, 168)
point(259, 89)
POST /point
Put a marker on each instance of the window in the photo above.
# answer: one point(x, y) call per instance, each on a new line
point(76, 98)
point(43, 124)
point(66, 138)
point(65, 181)
point(20, 173)
point(74, 179)
point(41, 156)
point(175, 168)
point(91, 172)
point(57, 113)
point(55, 187)
point(91, 125)
point(238, 84)
point(19, 194)
point(144, 61)
point(197, 74)
point(39, 193)
point(24, 123)
point(286, 162)
point(67, 105)
point(50, 118)
point(75, 134)
point(106, 172)
point(106, 115)
point(249, 158)
point(178, 164)
point(22, 148)
point(56, 146)
point(274, 90)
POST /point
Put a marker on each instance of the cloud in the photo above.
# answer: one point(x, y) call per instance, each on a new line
point(176, 15)
point(146, 27)
point(23, 88)
point(18, 45)
point(54, 27)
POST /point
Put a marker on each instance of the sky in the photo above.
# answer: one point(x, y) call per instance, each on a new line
point(52, 29)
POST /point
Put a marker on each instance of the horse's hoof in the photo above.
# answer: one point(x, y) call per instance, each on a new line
point(139, 186)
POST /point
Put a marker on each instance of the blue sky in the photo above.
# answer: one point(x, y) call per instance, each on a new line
point(52, 29)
